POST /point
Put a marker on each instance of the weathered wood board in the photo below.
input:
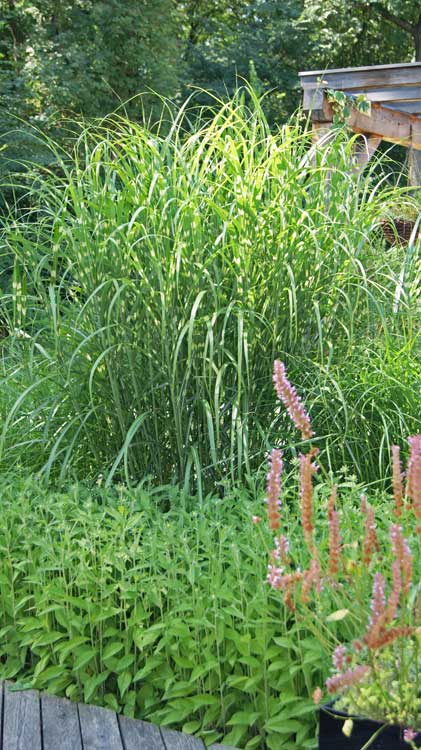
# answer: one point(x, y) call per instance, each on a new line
point(42, 722)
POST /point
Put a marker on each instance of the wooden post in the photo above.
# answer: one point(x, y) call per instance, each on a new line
point(414, 155)
point(364, 150)
point(414, 163)
point(321, 131)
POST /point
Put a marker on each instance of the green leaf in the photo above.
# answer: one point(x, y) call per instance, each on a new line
point(92, 684)
point(191, 727)
point(48, 639)
point(123, 663)
point(150, 666)
point(124, 681)
point(248, 718)
point(64, 649)
point(282, 725)
point(111, 649)
point(253, 743)
point(83, 656)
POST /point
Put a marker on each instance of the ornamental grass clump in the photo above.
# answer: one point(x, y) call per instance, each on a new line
point(150, 277)
point(360, 595)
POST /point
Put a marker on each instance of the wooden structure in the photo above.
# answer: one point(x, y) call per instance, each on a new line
point(30, 721)
point(394, 92)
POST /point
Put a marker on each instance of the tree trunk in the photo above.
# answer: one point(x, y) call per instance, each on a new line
point(417, 40)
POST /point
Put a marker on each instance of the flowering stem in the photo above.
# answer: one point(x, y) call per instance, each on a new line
point(374, 737)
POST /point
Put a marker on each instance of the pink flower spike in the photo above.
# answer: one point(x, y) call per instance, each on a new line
point(256, 519)
point(282, 546)
point(274, 577)
point(414, 476)
point(393, 601)
point(377, 606)
point(339, 658)
point(292, 402)
point(307, 469)
point(402, 554)
point(397, 480)
point(347, 679)
point(370, 543)
point(334, 534)
point(378, 601)
point(274, 488)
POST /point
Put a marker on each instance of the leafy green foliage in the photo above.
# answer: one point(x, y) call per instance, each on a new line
point(109, 598)
point(84, 57)
point(255, 40)
point(362, 32)
point(157, 276)
point(342, 105)
point(88, 57)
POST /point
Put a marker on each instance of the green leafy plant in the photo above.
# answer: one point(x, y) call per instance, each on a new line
point(136, 601)
point(342, 105)
point(377, 673)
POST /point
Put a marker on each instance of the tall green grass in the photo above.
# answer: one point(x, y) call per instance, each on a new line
point(157, 274)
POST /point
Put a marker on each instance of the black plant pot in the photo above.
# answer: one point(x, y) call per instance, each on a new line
point(331, 736)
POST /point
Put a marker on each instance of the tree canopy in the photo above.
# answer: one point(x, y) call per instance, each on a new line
point(87, 57)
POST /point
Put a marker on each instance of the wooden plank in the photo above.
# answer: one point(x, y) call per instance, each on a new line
point(139, 735)
point(388, 94)
point(414, 162)
point(395, 127)
point(1, 711)
point(411, 108)
point(60, 724)
point(375, 76)
point(313, 99)
point(22, 720)
point(359, 69)
point(99, 728)
point(416, 131)
point(393, 98)
point(179, 741)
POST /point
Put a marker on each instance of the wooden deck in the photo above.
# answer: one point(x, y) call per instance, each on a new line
point(30, 721)
point(394, 92)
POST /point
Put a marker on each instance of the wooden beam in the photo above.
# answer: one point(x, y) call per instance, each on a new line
point(375, 76)
point(384, 123)
point(359, 69)
point(313, 98)
point(412, 108)
point(389, 93)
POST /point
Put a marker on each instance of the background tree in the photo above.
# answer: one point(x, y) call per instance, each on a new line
point(263, 39)
point(360, 32)
point(85, 57)
point(82, 57)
